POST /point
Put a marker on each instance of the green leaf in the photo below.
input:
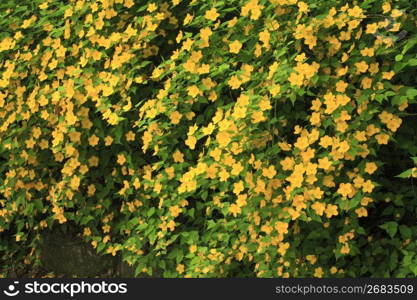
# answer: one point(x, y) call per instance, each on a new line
point(360, 230)
point(379, 98)
point(410, 43)
point(100, 247)
point(414, 269)
point(151, 211)
point(407, 260)
point(405, 174)
point(355, 201)
point(405, 232)
point(211, 224)
point(411, 93)
point(398, 100)
point(412, 62)
point(180, 255)
point(390, 227)
point(393, 260)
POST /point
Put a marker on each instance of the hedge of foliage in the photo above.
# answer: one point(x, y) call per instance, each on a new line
point(234, 138)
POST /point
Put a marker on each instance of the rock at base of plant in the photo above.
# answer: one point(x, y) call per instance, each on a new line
point(63, 253)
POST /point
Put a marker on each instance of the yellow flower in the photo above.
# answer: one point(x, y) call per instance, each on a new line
point(193, 248)
point(175, 117)
point(368, 52)
point(265, 104)
point(386, 7)
point(188, 18)
point(311, 259)
point(209, 129)
point(394, 123)
point(326, 141)
point(382, 138)
point(113, 250)
point(315, 119)
point(75, 182)
point(108, 140)
point(319, 208)
point(223, 138)
point(178, 157)
point(345, 249)
point(30, 143)
point(93, 140)
point(368, 186)
point(191, 141)
point(151, 7)
point(371, 167)
point(324, 163)
point(171, 225)
point(234, 82)
point(296, 79)
point(302, 143)
point(362, 66)
point(87, 231)
point(223, 175)
point(282, 248)
point(318, 272)
point(193, 91)
point(175, 211)
point(371, 28)
point(236, 169)
point(303, 7)
point(180, 268)
point(345, 189)
point(235, 47)
point(234, 209)
point(258, 116)
point(374, 68)
point(91, 190)
point(388, 75)
point(396, 13)
point(275, 89)
point(241, 200)
point(361, 212)
point(366, 83)
point(239, 112)
point(136, 182)
point(129, 3)
point(331, 210)
point(264, 37)
point(287, 163)
point(121, 159)
point(311, 169)
point(130, 136)
point(211, 14)
point(238, 187)
point(269, 172)
point(300, 57)
point(341, 86)
point(216, 153)
point(266, 228)
point(281, 227)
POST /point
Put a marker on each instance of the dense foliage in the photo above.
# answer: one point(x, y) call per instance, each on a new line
point(235, 138)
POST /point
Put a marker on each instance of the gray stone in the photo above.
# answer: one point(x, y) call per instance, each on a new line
point(125, 270)
point(66, 254)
